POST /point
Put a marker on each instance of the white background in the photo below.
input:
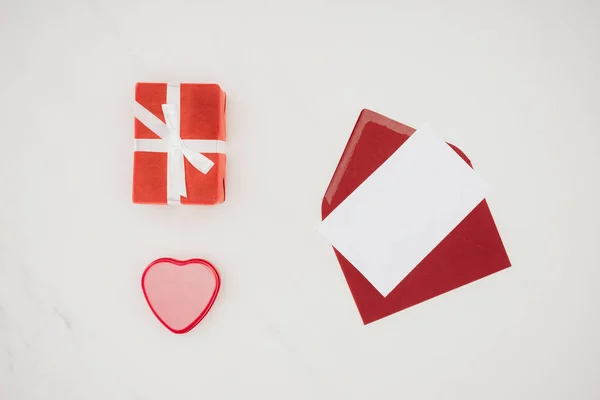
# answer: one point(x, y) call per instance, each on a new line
point(513, 83)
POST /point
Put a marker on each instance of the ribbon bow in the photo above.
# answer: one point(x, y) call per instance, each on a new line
point(175, 147)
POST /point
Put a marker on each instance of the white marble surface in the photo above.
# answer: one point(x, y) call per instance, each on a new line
point(513, 83)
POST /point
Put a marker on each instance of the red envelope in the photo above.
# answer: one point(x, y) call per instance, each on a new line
point(470, 252)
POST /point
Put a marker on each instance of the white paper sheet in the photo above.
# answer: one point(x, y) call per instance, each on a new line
point(404, 209)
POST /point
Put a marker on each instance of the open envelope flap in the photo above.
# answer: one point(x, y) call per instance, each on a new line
point(471, 251)
point(374, 139)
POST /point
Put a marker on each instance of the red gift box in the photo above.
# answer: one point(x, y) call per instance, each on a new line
point(179, 144)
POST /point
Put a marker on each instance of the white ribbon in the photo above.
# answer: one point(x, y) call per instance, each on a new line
point(175, 147)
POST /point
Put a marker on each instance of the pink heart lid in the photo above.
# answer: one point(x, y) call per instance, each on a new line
point(180, 293)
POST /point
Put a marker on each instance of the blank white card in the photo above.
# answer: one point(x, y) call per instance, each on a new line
point(404, 210)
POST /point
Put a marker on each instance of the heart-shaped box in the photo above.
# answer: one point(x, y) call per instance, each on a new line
point(180, 293)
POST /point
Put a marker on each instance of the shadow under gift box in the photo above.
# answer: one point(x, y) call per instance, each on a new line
point(202, 117)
